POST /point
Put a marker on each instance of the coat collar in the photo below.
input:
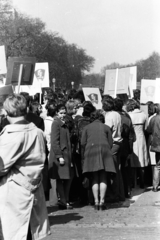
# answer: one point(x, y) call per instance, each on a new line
point(18, 127)
point(59, 121)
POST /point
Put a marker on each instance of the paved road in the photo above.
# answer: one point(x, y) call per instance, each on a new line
point(126, 220)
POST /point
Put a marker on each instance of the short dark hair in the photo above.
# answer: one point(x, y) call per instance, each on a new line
point(118, 104)
point(97, 115)
point(88, 109)
point(51, 109)
point(60, 107)
point(108, 104)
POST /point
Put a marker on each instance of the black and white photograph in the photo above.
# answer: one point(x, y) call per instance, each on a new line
point(80, 119)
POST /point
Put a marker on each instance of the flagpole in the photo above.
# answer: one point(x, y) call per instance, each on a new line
point(115, 90)
point(20, 76)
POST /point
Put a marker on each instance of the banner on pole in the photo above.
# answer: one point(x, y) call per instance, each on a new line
point(13, 70)
point(3, 67)
point(93, 95)
point(41, 76)
point(126, 77)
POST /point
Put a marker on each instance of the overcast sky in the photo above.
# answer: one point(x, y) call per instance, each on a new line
point(120, 31)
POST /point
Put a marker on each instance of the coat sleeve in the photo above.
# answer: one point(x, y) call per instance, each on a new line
point(55, 139)
point(83, 143)
point(10, 151)
point(109, 136)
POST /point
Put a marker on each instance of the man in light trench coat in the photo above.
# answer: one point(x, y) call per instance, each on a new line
point(22, 157)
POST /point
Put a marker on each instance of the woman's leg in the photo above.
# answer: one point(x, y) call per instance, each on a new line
point(60, 189)
point(67, 185)
point(103, 185)
point(95, 186)
point(141, 176)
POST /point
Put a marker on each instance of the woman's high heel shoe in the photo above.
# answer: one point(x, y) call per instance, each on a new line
point(102, 206)
point(96, 206)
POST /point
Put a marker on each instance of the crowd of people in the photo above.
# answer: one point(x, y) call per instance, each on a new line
point(93, 155)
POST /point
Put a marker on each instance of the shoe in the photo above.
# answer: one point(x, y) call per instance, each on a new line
point(154, 190)
point(102, 207)
point(68, 205)
point(61, 205)
point(96, 206)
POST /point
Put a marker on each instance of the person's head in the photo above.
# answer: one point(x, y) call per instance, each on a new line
point(72, 106)
point(61, 111)
point(15, 106)
point(51, 108)
point(108, 104)
point(34, 107)
point(151, 108)
point(97, 115)
point(88, 109)
point(27, 97)
point(156, 108)
point(79, 95)
point(131, 105)
point(118, 104)
point(136, 94)
point(47, 98)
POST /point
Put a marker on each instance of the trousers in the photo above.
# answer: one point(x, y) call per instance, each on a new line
point(156, 171)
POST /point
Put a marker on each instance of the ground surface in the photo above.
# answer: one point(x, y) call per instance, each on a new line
point(135, 219)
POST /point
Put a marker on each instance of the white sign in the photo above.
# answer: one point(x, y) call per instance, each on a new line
point(148, 89)
point(126, 79)
point(41, 76)
point(93, 95)
point(26, 88)
point(3, 67)
point(157, 91)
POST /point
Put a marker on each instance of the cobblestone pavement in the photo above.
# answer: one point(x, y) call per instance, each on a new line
point(135, 219)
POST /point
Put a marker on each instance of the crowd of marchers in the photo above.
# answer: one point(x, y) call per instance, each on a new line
point(93, 156)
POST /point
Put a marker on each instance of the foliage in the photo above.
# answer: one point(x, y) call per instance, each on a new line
point(25, 36)
point(146, 69)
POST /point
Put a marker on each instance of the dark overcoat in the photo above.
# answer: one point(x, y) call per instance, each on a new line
point(97, 142)
point(60, 147)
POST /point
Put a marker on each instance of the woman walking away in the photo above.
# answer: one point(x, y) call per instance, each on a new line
point(22, 156)
point(96, 151)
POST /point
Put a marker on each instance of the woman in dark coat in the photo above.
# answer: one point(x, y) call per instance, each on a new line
point(97, 142)
point(60, 157)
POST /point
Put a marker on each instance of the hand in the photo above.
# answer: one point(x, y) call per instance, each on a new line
point(61, 161)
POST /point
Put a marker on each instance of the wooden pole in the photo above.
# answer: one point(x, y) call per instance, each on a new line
point(20, 76)
point(115, 90)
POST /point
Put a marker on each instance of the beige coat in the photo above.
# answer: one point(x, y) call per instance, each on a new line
point(22, 202)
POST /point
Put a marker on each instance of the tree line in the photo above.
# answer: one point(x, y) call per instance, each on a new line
point(26, 36)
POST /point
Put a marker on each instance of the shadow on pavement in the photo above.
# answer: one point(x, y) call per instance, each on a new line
point(64, 218)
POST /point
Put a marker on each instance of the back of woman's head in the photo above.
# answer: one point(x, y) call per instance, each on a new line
point(131, 105)
point(15, 105)
point(118, 104)
point(88, 109)
point(97, 115)
point(108, 104)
